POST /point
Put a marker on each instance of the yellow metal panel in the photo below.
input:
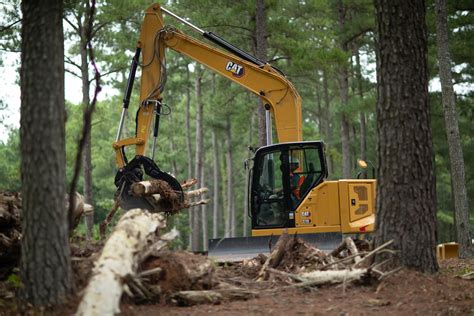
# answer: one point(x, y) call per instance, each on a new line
point(351, 222)
point(361, 202)
point(447, 250)
point(320, 207)
point(153, 56)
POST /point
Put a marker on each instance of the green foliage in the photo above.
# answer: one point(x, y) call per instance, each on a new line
point(14, 281)
point(10, 163)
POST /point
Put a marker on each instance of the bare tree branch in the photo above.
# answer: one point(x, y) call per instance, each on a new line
point(71, 62)
point(72, 73)
point(10, 50)
point(71, 24)
point(10, 25)
point(100, 26)
point(108, 73)
point(356, 35)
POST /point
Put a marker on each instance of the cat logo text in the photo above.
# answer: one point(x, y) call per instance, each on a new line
point(236, 69)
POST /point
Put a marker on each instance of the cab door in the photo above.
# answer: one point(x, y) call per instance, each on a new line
point(278, 185)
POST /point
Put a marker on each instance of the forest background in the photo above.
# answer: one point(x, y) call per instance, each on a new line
point(310, 41)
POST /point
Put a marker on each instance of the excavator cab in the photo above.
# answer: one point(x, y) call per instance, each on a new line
point(282, 175)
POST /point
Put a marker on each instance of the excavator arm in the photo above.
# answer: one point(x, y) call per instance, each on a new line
point(278, 94)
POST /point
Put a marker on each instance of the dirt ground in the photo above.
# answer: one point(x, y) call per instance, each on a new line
point(404, 293)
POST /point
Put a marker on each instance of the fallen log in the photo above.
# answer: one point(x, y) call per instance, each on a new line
point(189, 298)
point(133, 233)
point(331, 277)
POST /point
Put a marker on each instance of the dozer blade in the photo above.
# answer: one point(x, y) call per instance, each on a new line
point(241, 248)
point(133, 172)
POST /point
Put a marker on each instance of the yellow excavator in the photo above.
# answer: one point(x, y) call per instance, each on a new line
point(288, 190)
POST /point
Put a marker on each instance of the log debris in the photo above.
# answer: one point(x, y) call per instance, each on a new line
point(331, 277)
point(189, 298)
point(133, 233)
point(11, 231)
point(164, 198)
point(294, 260)
point(284, 244)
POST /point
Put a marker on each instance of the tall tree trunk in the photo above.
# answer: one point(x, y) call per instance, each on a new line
point(363, 136)
point(261, 49)
point(344, 95)
point(352, 141)
point(189, 148)
point(345, 140)
point(199, 159)
point(225, 195)
point(406, 203)
point(327, 121)
point(230, 220)
point(174, 166)
point(461, 205)
point(217, 181)
point(216, 172)
point(87, 153)
point(247, 179)
point(205, 232)
point(202, 178)
point(362, 119)
point(45, 265)
point(319, 108)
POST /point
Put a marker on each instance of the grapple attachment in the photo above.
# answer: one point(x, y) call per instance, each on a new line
point(133, 172)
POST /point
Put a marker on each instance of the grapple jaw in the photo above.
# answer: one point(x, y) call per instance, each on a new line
point(132, 173)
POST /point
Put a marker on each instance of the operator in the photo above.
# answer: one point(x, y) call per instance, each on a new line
point(296, 180)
